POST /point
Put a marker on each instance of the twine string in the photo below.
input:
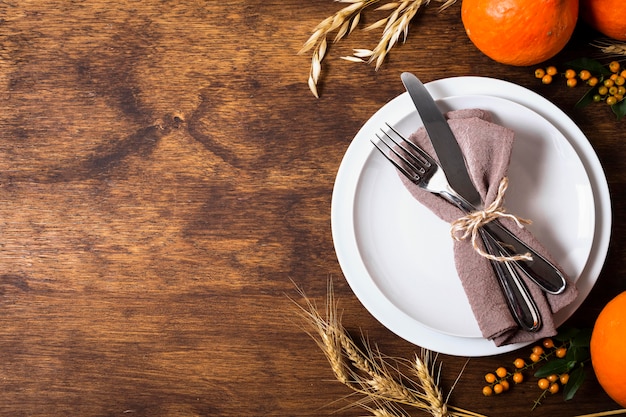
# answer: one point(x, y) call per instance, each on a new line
point(469, 225)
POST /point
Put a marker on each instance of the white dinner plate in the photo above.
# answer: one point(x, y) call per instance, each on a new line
point(397, 256)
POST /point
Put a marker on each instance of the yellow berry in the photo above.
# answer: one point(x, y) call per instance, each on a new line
point(539, 73)
point(546, 79)
point(620, 80)
point(571, 82)
point(518, 377)
point(538, 350)
point(548, 343)
point(614, 66)
point(551, 70)
point(610, 100)
point(543, 383)
point(487, 391)
point(490, 378)
point(570, 73)
point(584, 75)
point(619, 97)
point(535, 358)
point(608, 83)
point(621, 90)
point(519, 363)
point(561, 352)
point(623, 73)
point(498, 389)
point(501, 372)
point(613, 90)
point(505, 384)
point(564, 379)
point(593, 81)
point(554, 388)
point(603, 91)
point(553, 378)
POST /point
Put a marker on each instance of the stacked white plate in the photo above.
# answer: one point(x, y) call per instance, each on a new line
point(397, 255)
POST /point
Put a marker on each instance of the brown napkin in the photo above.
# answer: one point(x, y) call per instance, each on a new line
point(487, 150)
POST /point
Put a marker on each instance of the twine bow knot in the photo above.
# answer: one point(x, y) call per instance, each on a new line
point(469, 225)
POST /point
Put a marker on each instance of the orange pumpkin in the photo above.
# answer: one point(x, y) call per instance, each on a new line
point(606, 16)
point(519, 32)
point(608, 348)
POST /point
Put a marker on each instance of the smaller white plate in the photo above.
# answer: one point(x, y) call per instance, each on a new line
point(407, 250)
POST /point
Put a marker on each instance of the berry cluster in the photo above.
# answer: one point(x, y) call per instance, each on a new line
point(498, 381)
point(607, 83)
point(557, 360)
point(546, 75)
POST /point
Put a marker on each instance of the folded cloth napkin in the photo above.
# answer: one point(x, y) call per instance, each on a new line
point(487, 150)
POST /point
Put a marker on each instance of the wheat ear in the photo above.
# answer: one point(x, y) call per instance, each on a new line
point(343, 22)
point(611, 48)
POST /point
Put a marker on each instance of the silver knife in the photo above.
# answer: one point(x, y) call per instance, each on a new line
point(450, 156)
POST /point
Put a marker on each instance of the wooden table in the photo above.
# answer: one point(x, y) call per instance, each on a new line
point(166, 180)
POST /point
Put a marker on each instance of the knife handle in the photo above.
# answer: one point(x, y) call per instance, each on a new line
point(539, 269)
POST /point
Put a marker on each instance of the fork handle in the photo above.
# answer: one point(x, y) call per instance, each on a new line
point(518, 298)
point(520, 302)
point(538, 269)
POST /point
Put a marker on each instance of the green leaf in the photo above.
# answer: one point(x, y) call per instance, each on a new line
point(576, 379)
point(619, 109)
point(566, 333)
point(582, 338)
point(585, 100)
point(577, 353)
point(592, 65)
point(556, 366)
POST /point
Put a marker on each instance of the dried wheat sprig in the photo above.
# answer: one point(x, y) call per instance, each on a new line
point(396, 26)
point(611, 48)
point(328, 332)
point(344, 22)
point(429, 384)
point(368, 372)
point(396, 29)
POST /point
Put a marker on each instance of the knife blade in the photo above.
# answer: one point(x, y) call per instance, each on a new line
point(446, 147)
point(539, 269)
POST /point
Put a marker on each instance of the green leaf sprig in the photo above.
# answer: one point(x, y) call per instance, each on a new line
point(558, 364)
point(594, 94)
point(573, 364)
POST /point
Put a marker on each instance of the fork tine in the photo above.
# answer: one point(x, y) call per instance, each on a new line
point(425, 158)
point(413, 176)
point(410, 160)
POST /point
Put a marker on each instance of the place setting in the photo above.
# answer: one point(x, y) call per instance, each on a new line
point(393, 236)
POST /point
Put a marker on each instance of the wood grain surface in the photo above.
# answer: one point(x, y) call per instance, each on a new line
point(165, 184)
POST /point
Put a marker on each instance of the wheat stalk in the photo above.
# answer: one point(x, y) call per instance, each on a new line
point(329, 333)
point(384, 388)
point(396, 28)
point(611, 48)
point(344, 22)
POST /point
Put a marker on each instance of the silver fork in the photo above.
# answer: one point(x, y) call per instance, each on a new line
point(419, 167)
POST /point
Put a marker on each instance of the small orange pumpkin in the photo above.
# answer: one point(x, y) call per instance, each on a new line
point(519, 32)
point(606, 16)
